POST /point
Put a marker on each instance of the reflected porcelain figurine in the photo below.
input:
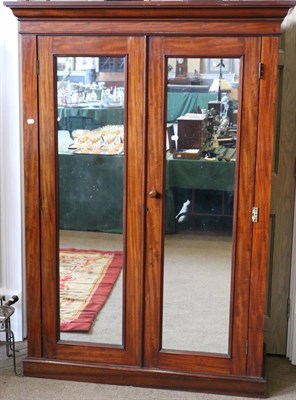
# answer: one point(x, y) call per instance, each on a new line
point(223, 126)
point(175, 138)
point(215, 141)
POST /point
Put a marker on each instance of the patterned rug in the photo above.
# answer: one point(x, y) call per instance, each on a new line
point(86, 280)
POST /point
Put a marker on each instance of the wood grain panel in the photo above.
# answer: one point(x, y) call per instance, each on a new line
point(133, 48)
point(266, 126)
point(48, 192)
point(151, 27)
point(92, 45)
point(248, 49)
point(156, 9)
point(154, 214)
point(135, 198)
point(229, 385)
point(228, 46)
point(31, 186)
point(245, 191)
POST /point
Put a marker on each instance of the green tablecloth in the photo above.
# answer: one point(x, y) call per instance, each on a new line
point(178, 104)
point(90, 192)
point(96, 117)
point(91, 188)
point(200, 174)
point(186, 102)
point(184, 175)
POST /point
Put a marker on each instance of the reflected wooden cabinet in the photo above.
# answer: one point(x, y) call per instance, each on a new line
point(187, 308)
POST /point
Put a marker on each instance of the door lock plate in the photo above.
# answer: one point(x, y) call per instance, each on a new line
point(255, 212)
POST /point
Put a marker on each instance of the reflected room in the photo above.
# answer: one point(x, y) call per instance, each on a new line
point(202, 115)
point(90, 101)
point(200, 135)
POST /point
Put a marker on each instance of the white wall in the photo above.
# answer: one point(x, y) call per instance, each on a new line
point(10, 168)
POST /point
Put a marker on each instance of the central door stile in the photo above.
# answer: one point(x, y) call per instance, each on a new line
point(135, 212)
point(154, 233)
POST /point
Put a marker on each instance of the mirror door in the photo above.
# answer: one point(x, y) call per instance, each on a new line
point(200, 188)
point(199, 183)
point(91, 146)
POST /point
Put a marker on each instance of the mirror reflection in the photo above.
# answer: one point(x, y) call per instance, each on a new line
point(202, 114)
point(90, 147)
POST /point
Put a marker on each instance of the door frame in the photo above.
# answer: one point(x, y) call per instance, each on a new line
point(251, 261)
point(133, 49)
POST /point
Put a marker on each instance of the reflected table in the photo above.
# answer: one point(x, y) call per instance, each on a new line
point(91, 189)
point(207, 184)
point(90, 115)
point(179, 103)
point(90, 192)
point(183, 102)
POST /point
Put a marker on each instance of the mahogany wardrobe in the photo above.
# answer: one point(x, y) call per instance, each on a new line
point(147, 242)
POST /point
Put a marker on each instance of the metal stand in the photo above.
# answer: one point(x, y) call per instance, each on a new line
point(6, 311)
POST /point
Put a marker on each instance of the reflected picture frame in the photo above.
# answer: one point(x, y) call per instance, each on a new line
point(213, 62)
point(171, 145)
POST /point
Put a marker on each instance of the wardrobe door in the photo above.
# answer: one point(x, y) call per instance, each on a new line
point(199, 204)
point(91, 191)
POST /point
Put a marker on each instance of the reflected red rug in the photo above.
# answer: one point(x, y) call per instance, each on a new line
point(86, 280)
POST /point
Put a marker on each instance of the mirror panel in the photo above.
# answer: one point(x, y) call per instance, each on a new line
point(202, 114)
point(90, 152)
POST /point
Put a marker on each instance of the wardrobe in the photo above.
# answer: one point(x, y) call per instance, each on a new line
point(190, 310)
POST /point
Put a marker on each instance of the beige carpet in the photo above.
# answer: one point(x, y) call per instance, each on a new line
point(207, 276)
point(196, 291)
point(282, 385)
point(107, 327)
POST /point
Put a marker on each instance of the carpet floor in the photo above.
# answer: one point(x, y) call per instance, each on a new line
point(281, 381)
point(197, 269)
point(281, 374)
